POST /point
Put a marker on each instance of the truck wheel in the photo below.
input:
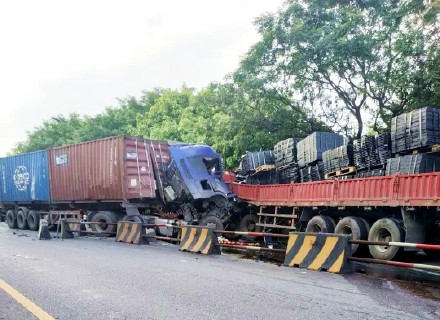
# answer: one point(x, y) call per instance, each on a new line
point(22, 220)
point(249, 224)
point(211, 221)
point(320, 224)
point(104, 217)
point(33, 220)
point(386, 230)
point(353, 226)
point(11, 219)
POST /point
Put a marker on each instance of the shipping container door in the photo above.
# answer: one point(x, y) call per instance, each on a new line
point(160, 154)
point(25, 177)
point(139, 171)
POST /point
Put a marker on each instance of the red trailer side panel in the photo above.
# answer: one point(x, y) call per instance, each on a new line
point(111, 169)
point(388, 191)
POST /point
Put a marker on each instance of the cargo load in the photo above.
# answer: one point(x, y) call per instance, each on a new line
point(338, 158)
point(415, 129)
point(289, 174)
point(285, 151)
point(264, 177)
point(311, 148)
point(413, 164)
point(313, 172)
point(254, 160)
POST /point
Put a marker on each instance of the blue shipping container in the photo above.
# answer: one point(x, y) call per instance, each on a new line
point(25, 177)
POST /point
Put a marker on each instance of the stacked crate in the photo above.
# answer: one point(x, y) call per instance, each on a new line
point(313, 172)
point(413, 164)
point(310, 152)
point(311, 148)
point(366, 153)
point(264, 177)
point(383, 143)
point(416, 129)
point(285, 153)
point(338, 158)
point(253, 160)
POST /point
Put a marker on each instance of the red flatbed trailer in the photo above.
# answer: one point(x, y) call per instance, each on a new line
point(420, 190)
point(388, 208)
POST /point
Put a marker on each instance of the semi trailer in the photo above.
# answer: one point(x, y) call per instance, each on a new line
point(397, 208)
point(116, 178)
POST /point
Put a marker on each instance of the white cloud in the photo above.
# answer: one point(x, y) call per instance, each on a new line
point(78, 56)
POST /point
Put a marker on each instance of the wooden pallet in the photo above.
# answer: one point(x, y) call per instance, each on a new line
point(340, 172)
point(266, 167)
point(431, 149)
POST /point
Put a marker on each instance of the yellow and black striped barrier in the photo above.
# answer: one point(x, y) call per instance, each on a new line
point(199, 240)
point(318, 251)
point(130, 232)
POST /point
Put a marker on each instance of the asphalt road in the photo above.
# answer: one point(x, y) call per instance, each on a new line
point(90, 278)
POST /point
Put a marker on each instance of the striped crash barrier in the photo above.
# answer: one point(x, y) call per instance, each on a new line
point(131, 232)
point(318, 251)
point(199, 239)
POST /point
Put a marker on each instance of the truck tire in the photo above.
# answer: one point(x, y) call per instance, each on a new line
point(321, 224)
point(211, 221)
point(249, 224)
point(33, 220)
point(353, 226)
point(105, 217)
point(385, 230)
point(11, 219)
point(22, 220)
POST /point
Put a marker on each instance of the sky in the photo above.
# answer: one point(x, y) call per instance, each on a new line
point(58, 57)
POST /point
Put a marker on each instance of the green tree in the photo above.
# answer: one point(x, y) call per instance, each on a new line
point(341, 60)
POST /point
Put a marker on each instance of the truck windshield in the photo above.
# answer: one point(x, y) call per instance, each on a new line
point(205, 164)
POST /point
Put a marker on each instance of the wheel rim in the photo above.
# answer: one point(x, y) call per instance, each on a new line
point(316, 228)
point(102, 226)
point(251, 226)
point(346, 230)
point(382, 235)
point(211, 224)
point(31, 220)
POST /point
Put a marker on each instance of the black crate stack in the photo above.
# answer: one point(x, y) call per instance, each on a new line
point(314, 172)
point(264, 177)
point(310, 151)
point(254, 160)
point(383, 143)
point(416, 129)
point(366, 155)
point(289, 174)
point(311, 148)
point(413, 164)
point(338, 158)
point(285, 152)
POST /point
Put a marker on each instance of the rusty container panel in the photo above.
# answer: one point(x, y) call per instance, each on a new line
point(111, 169)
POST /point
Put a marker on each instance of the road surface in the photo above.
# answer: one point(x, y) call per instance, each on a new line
point(90, 278)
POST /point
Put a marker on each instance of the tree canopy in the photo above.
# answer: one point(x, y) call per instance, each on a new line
point(325, 65)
